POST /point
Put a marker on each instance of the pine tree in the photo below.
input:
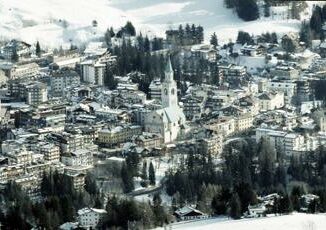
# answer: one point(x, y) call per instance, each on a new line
point(130, 29)
point(247, 10)
point(151, 174)
point(288, 44)
point(235, 206)
point(144, 171)
point(214, 40)
point(127, 179)
point(274, 38)
point(107, 37)
point(267, 12)
point(147, 45)
point(38, 49)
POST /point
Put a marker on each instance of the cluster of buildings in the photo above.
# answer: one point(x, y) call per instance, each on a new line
point(57, 114)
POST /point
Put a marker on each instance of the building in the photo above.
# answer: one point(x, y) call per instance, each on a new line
point(211, 145)
point(155, 89)
point(93, 72)
point(69, 142)
point(170, 120)
point(23, 71)
point(223, 125)
point(243, 122)
point(51, 152)
point(80, 157)
point(22, 49)
point(149, 140)
point(62, 80)
point(78, 180)
point(31, 185)
point(288, 143)
point(118, 135)
point(255, 211)
point(193, 106)
point(285, 72)
point(36, 93)
point(189, 213)
point(271, 101)
point(90, 218)
point(289, 89)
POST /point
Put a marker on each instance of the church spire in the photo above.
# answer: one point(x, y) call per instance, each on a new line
point(168, 71)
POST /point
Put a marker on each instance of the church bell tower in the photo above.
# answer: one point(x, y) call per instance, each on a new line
point(169, 88)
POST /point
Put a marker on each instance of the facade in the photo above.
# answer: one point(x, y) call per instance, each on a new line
point(149, 140)
point(80, 157)
point(243, 122)
point(271, 101)
point(189, 213)
point(22, 49)
point(23, 71)
point(118, 134)
point(224, 125)
point(37, 93)
point(90, 218)
point(51, 152)
point(211, 145)
point(155, 89)
point(289, 89)
point(62, 80)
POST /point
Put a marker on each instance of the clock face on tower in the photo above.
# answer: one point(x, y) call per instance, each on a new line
point(165, 91)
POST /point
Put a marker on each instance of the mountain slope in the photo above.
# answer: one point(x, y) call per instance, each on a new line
point(59, 22)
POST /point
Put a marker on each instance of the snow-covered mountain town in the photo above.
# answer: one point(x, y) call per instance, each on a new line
point(152, 114)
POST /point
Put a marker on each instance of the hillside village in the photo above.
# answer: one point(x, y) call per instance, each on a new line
point(136, 132)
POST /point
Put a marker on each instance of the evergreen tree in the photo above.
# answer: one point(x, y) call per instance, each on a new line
point(267, 12)
point(147, 45)
point(274, 38)
point(316, 21)
point(38, 49)
point(247, 10)
point(288, 44)
point(214, 40)
point(244, 37)
point(127, 179)
point(285, 205)
point(151, 174)
point(144, 171)
point(130, 29)
point(235, 206)
point(107, 37)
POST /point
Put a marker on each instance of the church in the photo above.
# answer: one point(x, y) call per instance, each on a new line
point(169, 121)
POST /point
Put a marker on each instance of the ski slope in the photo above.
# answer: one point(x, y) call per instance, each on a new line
point(296, 221)
point(61, 22)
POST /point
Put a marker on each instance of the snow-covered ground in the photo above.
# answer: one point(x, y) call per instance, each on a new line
point(296, 221)
point(59, 22)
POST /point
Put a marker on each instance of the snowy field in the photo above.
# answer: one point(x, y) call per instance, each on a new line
point(59, 22)
point(296, 221)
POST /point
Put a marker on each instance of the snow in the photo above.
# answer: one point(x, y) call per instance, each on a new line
point(296, 221)
point(59, 22)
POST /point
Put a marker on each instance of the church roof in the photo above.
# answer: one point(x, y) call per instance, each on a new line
point(168, 67)
point(171, 114)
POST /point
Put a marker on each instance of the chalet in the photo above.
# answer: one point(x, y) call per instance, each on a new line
point(189, 213)
point(22, 49)
point(252, 50)
point(258, 210)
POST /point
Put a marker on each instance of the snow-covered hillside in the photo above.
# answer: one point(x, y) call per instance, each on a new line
point(58, 22)
point(296, 221)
